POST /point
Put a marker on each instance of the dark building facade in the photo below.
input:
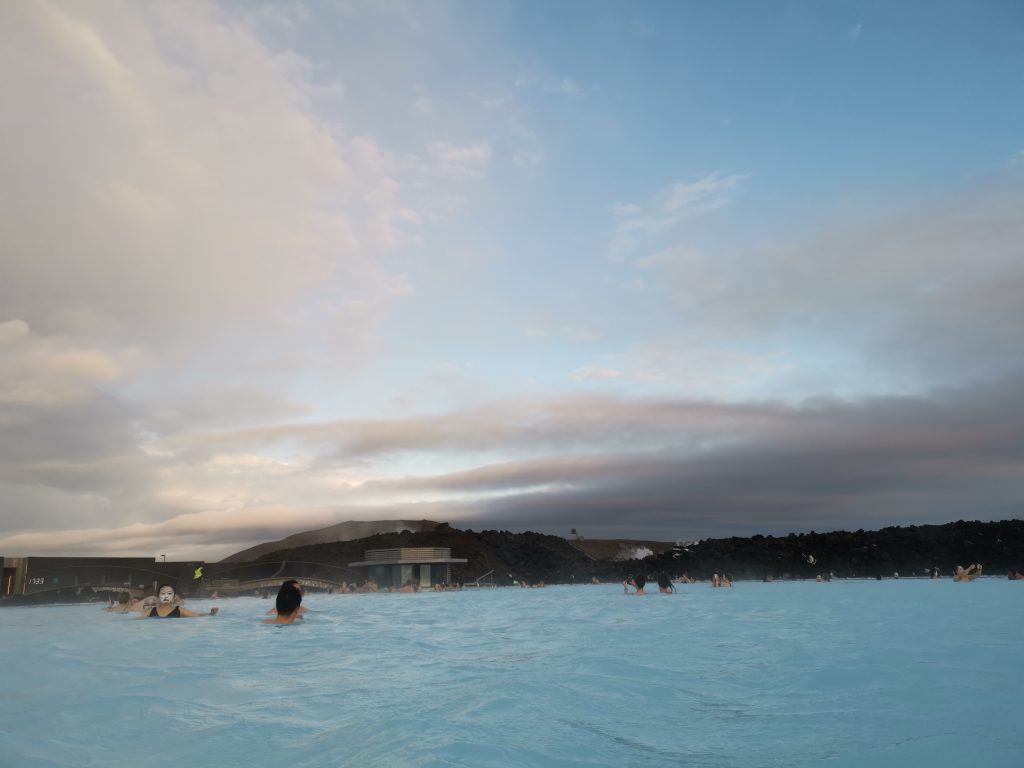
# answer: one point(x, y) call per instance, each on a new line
point(423, 566)
point(60, 577)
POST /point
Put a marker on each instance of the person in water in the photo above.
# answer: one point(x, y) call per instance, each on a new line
point(970, 573)
point(665, 585)
point(145, 605)
point(123, 605)
point(637, 581)
point(291, 584)
point(166, 608)
point(288, 605)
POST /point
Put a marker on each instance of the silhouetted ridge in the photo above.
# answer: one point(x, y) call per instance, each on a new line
point(352, 529)
point(534, 557)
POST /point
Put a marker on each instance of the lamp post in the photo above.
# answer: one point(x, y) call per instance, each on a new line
point(164, 557)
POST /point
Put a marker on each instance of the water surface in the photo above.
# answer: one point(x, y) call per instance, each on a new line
point(894, 673)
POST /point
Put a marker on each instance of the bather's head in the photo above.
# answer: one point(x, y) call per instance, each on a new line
point(165, 595)
point(288, 600)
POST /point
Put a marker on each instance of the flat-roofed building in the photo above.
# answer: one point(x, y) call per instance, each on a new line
point(56, 577)
point(422, 566)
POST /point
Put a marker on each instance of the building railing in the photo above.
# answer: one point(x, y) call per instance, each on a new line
point(425, 554)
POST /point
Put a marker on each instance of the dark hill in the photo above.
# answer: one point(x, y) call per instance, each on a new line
point(910, 551)
point(347, 531)
point(529, 557)
point(534, 557)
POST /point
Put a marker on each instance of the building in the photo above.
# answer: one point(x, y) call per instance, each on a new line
point(73, 577)
point(423, 566)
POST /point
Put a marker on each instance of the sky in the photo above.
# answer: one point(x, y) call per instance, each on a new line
point(664, 270)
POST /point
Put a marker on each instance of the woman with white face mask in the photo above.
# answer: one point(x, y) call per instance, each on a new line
point(166, 609)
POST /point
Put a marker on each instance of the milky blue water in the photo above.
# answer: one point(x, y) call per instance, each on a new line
point(894, 673)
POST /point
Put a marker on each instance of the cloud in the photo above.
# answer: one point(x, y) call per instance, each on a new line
point(460, 162)
point(675, 363)
point(626, 210)
point(582, 421)
point(672, 205)
point(512, 117)
point(176, 221)
point(705, 194)
point(218, 405)
point(80, 457)
point(180, 537)
point(196, 191)
point(931, 293)
point(40, 371)
point(662, 469)
point(529, 151)
point(827, 465)
point(595, 372)
point(424, 104)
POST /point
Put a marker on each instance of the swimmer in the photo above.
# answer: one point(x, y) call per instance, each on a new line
point(145, 605)
point(290, 584)
point(124, 601)
point(288, 605)
point(166, 608)
point(665, 585)
point(970, 573)
point(637, 581)
point(1015, 575)
point(715, 580)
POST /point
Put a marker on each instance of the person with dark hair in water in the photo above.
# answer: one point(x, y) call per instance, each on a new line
point(166, 609)
point(291, 584)
point(637, 581)
point(665, 585)
point(288, 605)
point(124, 604)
